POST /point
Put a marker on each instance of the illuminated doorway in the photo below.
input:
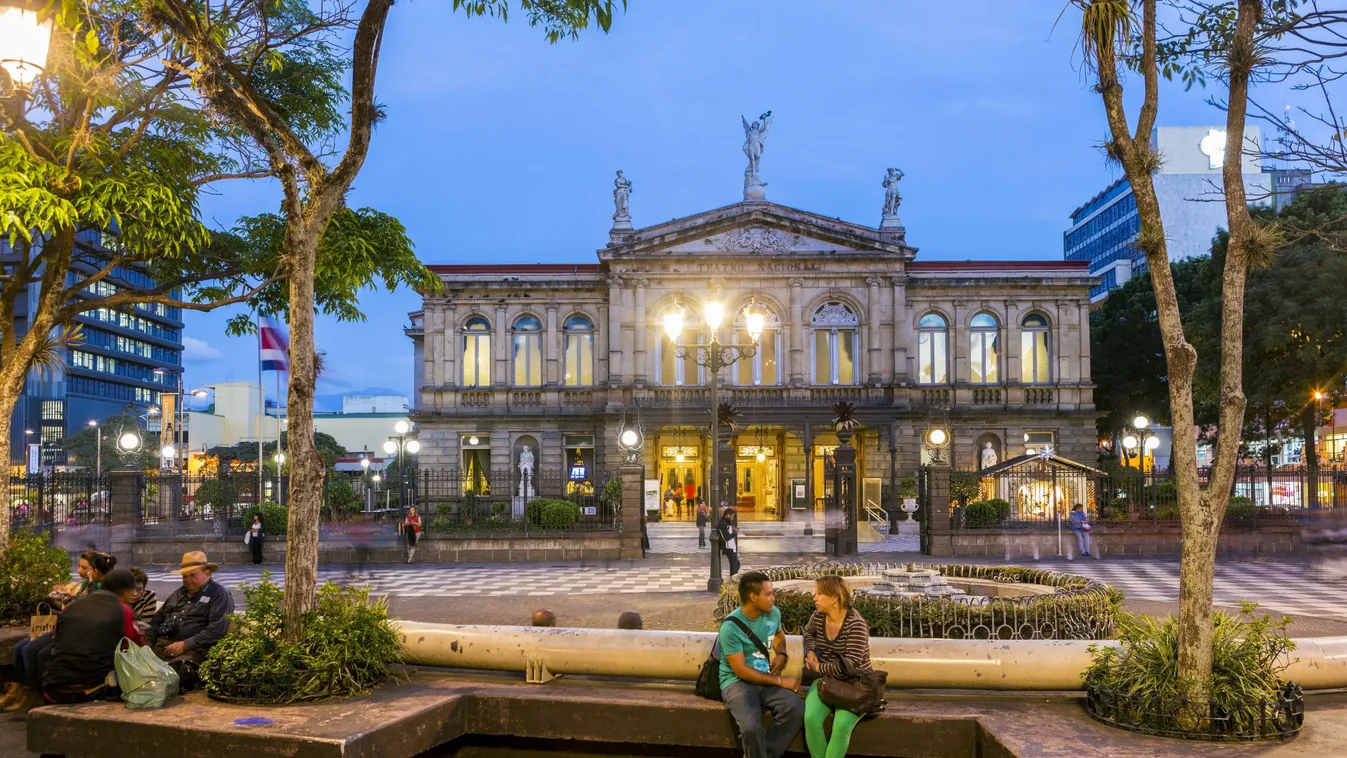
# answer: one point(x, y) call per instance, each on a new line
point(681, 479)
point(758, 490)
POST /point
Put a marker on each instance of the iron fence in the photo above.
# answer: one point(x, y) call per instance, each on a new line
point(501, 502)
point(56, 501)
point(1038, 496)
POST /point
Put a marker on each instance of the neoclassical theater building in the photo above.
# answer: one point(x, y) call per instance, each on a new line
point(557, 356)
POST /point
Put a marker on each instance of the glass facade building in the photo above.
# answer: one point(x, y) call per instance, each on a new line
point(110, 370)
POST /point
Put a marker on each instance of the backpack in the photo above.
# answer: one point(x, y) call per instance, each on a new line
point(708, 679)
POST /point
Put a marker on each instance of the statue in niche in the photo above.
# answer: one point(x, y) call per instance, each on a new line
point(988, 456)
point(621, 197)
point(526, 472)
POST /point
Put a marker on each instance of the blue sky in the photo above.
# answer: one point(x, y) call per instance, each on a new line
point(501, 148)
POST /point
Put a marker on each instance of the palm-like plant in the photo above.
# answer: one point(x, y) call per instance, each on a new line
point(844, 416)
point(728, 416)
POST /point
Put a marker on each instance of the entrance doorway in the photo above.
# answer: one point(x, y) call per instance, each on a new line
point(681, 480)
point(758, 490)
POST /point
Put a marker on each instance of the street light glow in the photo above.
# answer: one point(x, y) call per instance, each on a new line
point(1130, 442)
point(376, 478)
point(472, 440)
point(390, 447)
point(129, 442)
point(279, 457)
point(1152, 442)
point(364, 463)
point(715, 313)
point(937, 436)
point(25, 42)
point(92, 422)
point(169, 451)
point(673, 324)
point(630, 438)
point(401, 427)
point(755, 323)
point(413, 446)
point(1141, 422)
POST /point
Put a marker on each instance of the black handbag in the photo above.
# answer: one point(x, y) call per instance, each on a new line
point(861, 692)
point(708, 679)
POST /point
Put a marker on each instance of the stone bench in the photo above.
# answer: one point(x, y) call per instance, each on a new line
point(434, 709)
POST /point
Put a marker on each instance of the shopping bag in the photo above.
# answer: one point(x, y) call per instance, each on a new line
point(145, 681)
point(41, 623)
point(247, 536)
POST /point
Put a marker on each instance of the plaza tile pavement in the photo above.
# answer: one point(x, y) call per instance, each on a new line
point(1289, 587)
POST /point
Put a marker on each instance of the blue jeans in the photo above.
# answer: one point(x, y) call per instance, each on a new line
point(30, 659)
point(746, 702)
point(1083, 540)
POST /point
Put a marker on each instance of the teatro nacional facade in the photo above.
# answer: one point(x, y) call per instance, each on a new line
point(556, 357)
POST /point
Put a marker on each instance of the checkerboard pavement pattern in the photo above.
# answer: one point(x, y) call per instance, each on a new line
point(757, 538)
point(1291, 587)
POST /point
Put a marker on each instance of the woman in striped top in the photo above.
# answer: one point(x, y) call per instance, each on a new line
point(834, 632)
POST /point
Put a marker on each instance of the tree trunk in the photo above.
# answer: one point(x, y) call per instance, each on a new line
point(306, 467)
point(1309, 422)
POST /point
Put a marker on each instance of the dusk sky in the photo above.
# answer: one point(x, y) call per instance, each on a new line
point(501, 148)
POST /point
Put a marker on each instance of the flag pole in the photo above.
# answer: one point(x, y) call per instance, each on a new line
point(280, 465)
point(261, 412)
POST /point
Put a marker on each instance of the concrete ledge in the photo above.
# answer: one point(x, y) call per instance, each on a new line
point(435, 709)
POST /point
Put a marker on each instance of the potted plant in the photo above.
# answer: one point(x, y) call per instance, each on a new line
point(908, 485)
point(844, 421)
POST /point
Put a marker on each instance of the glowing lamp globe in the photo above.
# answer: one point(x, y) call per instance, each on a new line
point(715, 313)
point(401, 427)
point(937, 437)
point(413, 446)
point(630, 438)
point(390, 447)
point(24, 42)
point(129, 442)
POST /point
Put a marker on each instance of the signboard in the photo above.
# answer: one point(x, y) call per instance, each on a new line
point(798, 501)
point(590, 510)
point(652, 495)
point(34, 458)
point(577, 473)
point(751, 451)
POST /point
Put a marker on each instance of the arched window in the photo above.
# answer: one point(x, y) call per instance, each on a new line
point(477, 352)
point(528, 352)
point(1035, 365)
point(835, 344)
point(764, 367)
point(672, 370)
point(932, 350)
point(579, 352)
point(984, 349)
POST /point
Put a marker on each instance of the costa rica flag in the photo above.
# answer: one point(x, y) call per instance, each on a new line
point(274, 345)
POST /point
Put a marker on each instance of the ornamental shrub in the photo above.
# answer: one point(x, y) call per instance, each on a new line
point(1241, 511)
point(29, 567)
point(1139, 678)
point(346, 649)
point(341, 495)
point(612, 491)
point(986, 514)
point(274, 517)
point(219, 495)
point(550, 513)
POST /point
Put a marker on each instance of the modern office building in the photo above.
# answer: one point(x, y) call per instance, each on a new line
point(111, 370)
point(1188, 186)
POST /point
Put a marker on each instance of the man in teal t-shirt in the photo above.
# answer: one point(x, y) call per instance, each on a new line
point(749, 681)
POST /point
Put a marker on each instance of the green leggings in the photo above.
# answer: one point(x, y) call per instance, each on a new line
point(815, 713)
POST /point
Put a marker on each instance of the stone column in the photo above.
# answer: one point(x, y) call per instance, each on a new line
point(1012, 342)
point(642, 373)
point(872, 330)
point(797, 330)
point(936, 532)
point(1061, 341)
point(501, 377)
point(552, 347)
point(961, 371)
point(632, 515)
point(1084, 308)
point(449, 356)
point(902, 328)
point(614, 331)
point(432, 361)
point(124, 506)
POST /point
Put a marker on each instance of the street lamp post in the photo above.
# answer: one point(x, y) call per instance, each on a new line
point(364, 480)
point(24, 42)
point(402, 446)
point(1138, 441)
point(98, 446)
point(714, 356)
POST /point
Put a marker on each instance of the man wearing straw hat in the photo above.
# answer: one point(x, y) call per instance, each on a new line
point(192, 619)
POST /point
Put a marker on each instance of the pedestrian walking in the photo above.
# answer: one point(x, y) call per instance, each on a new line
point(729, 537)
point(254, 537)
point(1081, 527)
point(411, 528)
point(703, 518)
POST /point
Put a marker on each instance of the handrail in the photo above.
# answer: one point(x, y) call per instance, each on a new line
point(875, 512)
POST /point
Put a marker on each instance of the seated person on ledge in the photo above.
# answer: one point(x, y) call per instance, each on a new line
point(750, 682)
point(192, 619)
point(86, 638)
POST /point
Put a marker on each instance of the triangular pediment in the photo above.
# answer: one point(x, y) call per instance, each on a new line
point(756, 229)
